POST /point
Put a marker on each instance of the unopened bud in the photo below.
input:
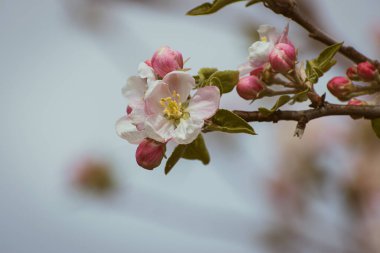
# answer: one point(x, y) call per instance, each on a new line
point(166, 60)
point(356, 102)
point(257, 72)
point(352, 73)
point(367, 71)
point(283, 57)
point(248, 87)
point(149, 153)
point(341, 87)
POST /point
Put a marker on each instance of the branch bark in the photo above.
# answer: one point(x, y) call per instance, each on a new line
point(304, 116)
point(289, 9)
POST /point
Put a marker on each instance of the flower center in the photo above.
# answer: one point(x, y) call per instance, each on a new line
point(172, 106)
point(264, 39)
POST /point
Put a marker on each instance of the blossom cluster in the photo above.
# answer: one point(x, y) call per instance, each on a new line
point(162, 106)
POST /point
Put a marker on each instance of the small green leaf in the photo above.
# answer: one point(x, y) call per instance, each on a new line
point(174, 158)
point(205, 73)
point(197, 150)
point(300, 97)
point(317, 67)
point(208, 8)
point(229, 122)
point(280, 102)
point(252, 2)
point(376, 126)
point(225, 80)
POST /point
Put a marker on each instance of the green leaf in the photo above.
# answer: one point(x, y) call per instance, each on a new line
point(208, 8)
point(174, 158)
point(252, 2)
point(317, 67)
point(225, 80)
point(205, 73)
point(376, 126)
point(197, 150)
point(280, 102)
point(300, 97)
point(229, 122)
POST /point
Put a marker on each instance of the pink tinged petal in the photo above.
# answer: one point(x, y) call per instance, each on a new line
point(245, 68)
point(267, 32)
point(204, 103)
point(152, 101)
point(159, 128)
point(188, 130)
point(180, 82)
point(145, 71)
point(137, 112)
point(126, 130)
point(283, 38)
point(135, 89)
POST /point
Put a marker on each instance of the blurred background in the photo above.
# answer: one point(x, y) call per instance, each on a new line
point(69, 184)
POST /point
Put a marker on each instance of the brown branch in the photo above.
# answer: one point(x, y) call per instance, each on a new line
point(289, 9)
point(304, 116)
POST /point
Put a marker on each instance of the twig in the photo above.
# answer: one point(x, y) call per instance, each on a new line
point(289, 9)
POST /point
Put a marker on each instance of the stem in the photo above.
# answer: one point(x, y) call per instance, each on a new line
point(367, 112)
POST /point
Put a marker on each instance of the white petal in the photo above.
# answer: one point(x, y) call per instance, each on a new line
point(245, 68)
point(204, 103)
point(159, 128)
point(152, 101)
point(259, 53)
point(188, 130)
point(145, 71)
point(135, 89)
point(137, 115)
point(126, 130)
point(181, 82)
point(267, 32)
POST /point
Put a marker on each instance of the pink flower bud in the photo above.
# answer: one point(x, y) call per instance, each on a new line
point(283, 57)
point(341, 87)
point(257, 72)
point(129, 110)
point(166, 60)
point(352, 73)
point(356, 101)
point(149, 153)
point(367, 71)
point(249, 86)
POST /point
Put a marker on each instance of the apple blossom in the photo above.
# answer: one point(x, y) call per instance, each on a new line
point(352, 73)
point(341, 87)
point(150, 153)
point(172, 115)
point(249, 87)
point(166, 60)
point(283, 57)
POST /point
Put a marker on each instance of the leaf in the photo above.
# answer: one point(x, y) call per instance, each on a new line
point(376, 126)
point(252, 2)
point(300, 97)
point(197, 150)
point(229, 122)
point(208, 8)
point(205, 73)
point(174, 158)
point(280, 102)
point(317, 67)
point(225, 80)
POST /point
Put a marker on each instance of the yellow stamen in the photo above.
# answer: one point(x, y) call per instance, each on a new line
point(172, 106)
point(264, 39)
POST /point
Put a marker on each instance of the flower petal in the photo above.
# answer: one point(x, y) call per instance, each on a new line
point(126, 130)
point(137, 114)
point(135, 89)
point(259, 53)
point(245, 68)
point(159, 128)
point(267, 33)
point(204, 103)
point(188, 130)
point(145, 71)
point(181, 82)
point(152, 101)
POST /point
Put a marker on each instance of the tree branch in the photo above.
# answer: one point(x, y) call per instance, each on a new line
point(289, 9)
point(304, 116)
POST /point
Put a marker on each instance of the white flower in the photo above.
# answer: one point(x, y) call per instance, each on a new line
point(172, 114)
